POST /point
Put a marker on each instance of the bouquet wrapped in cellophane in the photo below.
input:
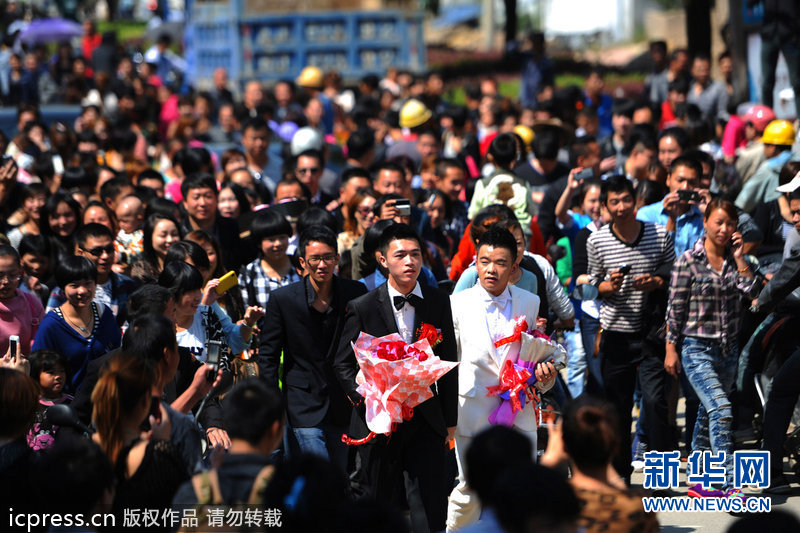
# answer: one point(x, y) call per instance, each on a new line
point(394, 377)
point(517, 377)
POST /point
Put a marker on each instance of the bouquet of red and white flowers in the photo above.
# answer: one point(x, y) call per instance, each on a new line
point(515, 387)
point(395, 377)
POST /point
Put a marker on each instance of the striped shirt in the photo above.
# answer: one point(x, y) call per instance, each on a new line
point(651, 252)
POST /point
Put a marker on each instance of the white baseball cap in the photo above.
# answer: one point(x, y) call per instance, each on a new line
point(152, 55)
point(791, 186)
point(306, 139)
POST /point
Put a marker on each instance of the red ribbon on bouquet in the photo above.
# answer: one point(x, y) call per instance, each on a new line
point(520, 327)
point(513, 380)
point(408, 413)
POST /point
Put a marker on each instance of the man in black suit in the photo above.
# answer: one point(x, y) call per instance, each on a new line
point(305, 320)
point(414, 454)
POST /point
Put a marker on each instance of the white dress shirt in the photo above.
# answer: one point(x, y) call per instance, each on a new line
point(498, 318)
point(404, 318)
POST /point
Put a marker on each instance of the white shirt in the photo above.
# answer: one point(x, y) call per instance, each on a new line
point(404, 318)
point(294, 244)
point(498, 318)
point(102, 295)
point(194, 338)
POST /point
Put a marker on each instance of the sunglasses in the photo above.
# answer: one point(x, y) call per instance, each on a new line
point(97, 252)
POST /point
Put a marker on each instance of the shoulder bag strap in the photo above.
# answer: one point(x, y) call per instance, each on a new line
point(259, 484)
point(206, 488)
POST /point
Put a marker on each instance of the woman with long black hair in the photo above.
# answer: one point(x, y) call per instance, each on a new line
point(59, 220)
point(159, 233)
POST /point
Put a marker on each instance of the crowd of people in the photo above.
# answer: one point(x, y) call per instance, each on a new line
point(654, 235)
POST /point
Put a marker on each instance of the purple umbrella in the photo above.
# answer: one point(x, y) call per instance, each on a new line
point(50, 30)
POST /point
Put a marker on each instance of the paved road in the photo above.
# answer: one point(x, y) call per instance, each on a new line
point(715, 522)
point(718, 521)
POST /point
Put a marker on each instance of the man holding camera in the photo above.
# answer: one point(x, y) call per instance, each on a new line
point(679, 211)
point(629, 260)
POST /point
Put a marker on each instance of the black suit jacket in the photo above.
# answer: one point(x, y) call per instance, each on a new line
point(309, 383)
point(372, 313)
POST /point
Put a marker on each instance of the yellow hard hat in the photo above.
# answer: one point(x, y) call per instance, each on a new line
point(779, 132)
point(525, 133)
point(414, 113)
point(310, 77)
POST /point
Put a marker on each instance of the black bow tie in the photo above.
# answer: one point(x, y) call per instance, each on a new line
point(400, 301)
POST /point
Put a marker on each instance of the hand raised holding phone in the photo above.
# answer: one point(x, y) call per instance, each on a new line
point(210, 294)
point(12, 359)
point(227, 282)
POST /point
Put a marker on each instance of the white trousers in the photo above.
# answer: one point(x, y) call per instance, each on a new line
point(463, 506)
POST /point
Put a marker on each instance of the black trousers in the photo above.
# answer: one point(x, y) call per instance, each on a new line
point(655, 384)
point(780, 406)
point(412, 458)
point(625, 354)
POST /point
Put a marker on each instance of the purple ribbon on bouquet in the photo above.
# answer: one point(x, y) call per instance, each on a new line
point(516, 380)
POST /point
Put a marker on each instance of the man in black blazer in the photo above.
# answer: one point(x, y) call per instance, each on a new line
point(305, 320)
point(199, 192)
point(414, 455)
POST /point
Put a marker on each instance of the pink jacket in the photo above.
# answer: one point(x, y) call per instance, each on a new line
point(733, 137)
point(20, 315)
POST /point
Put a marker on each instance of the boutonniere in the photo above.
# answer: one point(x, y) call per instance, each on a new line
point(429, 332)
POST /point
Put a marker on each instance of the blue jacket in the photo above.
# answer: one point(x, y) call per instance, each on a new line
point(57, 335)
point(688, 226)
point(760, 188)
point(121, 288)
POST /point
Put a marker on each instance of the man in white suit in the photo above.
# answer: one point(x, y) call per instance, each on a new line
point(483, 315)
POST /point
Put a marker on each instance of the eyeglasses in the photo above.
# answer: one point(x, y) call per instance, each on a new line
point(97, 252)
point(364, 210)
point(312, 170)
point(315, 260)
point(9, 276)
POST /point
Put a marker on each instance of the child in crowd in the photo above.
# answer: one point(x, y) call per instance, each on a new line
point(48, 369)
point(130, 215)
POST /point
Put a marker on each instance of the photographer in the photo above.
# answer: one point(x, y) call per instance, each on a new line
point(198, 320)
point(678, 211)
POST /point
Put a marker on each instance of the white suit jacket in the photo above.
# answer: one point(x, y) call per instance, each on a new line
point(479, 366)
